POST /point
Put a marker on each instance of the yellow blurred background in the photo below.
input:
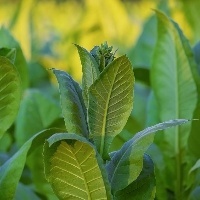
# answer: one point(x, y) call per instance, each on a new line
point(47, 29)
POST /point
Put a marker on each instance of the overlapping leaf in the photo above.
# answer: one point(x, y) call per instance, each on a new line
point(10, 94)
point(110, 103)
point(72, 167)
point(73, 108)
point(90, 71)
point(127, 163)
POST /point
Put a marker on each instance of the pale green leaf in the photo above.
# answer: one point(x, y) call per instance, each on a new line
point(73, 168)
point(72, 104)
point(11, 170)
point(173, 81)
point(144, 187)
point(90, 71)
point(110, 103)
point(10, 94)
point(127, 163)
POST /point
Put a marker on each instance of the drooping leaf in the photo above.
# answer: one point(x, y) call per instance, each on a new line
point(38, 108)
point(72, 104)
point(74, 169)
point(6, 40)
point(143, 187)
point(11, 170)
point(90, 71)
point(110, 103)
point(127, 163)
point(8, 53)
point(10, 94)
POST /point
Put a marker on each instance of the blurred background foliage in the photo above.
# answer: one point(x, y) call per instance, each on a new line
point(44, 32)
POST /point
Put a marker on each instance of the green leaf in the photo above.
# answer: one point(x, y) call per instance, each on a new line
point(9, 53)
point(196, 166)
point(10, 94)
point(9, 42)
point(73, 108)
point(38, 108)
point(74, 169)
point(127, 163)
point(90, 71)
point(172, 79)
point(143, 188)
point(11, 170)
point(110, 103)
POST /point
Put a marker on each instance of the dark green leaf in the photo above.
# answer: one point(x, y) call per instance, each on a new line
point(8, 53)
point(73, 108)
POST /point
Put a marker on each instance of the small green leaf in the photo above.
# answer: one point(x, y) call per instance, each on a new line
point(8, 53)
point(72, 168)
point(90, 71)
point(110, 103)
point(127, 163)
point(11, 170)
point(20, 62)
point(73, 108)
point(10, 94)
point(143, 187)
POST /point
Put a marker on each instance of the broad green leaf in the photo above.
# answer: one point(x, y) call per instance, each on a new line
point(143, 188)
point(10, 94)
point(6, 40)
point(72, 104)
point(196, 166)
point(38, 108)
point(8, 53)
point(173, 81)
point(11, 170)
point(110, 103)
point(74, 169)
point(126, 164)
point(90, 71)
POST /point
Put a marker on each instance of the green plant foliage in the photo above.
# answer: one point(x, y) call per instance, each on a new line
point(72, 168)
point(142, 188)
point(110, 103)
point(9, 53)
point(73, 107)
point(9, 42)
point(10, 94)
point(126, 163)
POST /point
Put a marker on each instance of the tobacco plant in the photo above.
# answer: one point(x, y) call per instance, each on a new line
point(78, 163)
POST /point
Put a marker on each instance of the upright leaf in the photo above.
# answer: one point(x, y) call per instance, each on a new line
point(73, 108)
point(10, 94)
point(110, 103)
point(127, 163)
point(90, 71)
point(72, 168)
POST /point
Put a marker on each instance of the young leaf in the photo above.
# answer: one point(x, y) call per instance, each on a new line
point(10, 94)
point(8, 41)
point(143, 187)
point(73, 108)
point(110, 103)
point(90, 71)
point(126, 164)
point(73, 168)
point(10, 171)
